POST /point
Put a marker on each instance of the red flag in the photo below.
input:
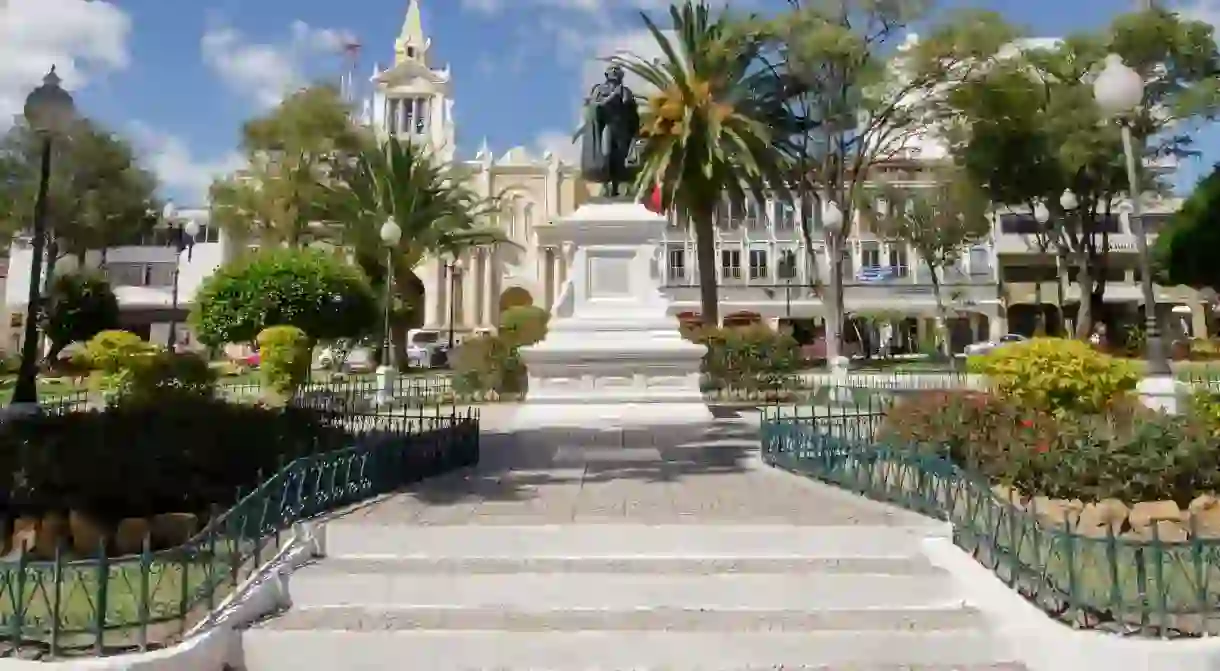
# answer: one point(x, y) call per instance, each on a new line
point(654, 202)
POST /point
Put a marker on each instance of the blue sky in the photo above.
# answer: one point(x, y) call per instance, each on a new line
point(179, 77)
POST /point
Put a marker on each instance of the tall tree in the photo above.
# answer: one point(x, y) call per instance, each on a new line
point(705, 135)
point(939, 223)
point(1029, 129)
point(1186, 251)
point(853, 90)
point(430, 200)
point(99, 195)
point(278, 198)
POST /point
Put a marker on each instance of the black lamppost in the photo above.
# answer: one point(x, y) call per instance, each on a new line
point(49, 110)
point(1119, 91)
point(788, 298)
point(183, 232)
point(454, 268)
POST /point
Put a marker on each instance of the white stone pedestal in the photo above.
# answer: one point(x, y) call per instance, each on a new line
point(1161, 392)
point(613, 355)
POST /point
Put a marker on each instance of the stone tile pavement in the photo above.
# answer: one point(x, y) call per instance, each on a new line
point(673, 475)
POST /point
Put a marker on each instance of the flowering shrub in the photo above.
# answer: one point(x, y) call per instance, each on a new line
point(752, 357)
point(1057, 375)
point(1128, 452)
point(973, 430)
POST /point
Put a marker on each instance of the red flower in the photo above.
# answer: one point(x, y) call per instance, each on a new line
point(1027, 423)
point(1042, 448)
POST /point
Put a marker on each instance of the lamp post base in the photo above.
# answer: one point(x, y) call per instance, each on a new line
point(1161, 392)
point(386, 379)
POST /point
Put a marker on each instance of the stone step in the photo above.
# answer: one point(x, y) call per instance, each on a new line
point(366, 619)
point(653, 565)
point(344, 538)
point(468, 650)
point(320, 585)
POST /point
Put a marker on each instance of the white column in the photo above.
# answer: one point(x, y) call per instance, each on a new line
point(470, 278)
point(491, 300)
point(557, 274)
point(431, 293)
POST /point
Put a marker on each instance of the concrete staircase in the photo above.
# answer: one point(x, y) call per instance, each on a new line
point(623, 596)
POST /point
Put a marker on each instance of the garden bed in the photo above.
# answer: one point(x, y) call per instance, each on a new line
point(1138, 570)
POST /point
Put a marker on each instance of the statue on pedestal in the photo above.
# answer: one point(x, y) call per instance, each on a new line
point(609, 151)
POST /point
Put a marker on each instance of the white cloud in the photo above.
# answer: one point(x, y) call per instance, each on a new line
point(84, 40)
point(559, 143)
point(184, 176)
point(266, 72)
point(1201, 10)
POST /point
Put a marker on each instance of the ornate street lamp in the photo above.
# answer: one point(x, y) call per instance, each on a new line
point(454, 268)
point(184, 230)
point(50, 111)
point(390, 234)
point(1119, 91)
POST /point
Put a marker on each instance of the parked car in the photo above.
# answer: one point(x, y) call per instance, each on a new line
point(985, 347)
point(426, 350)
point(360, 360)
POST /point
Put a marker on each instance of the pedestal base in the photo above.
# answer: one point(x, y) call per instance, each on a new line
point(612, 353)
point(595, 415)
point(1161, 392)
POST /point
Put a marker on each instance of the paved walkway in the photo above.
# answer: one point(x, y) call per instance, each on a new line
point(668, 549)
point(705, 475)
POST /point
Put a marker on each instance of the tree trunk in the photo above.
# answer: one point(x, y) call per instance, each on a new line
point(1039, 319)
point(942, 317)
point(705, 258)
point(1084, 314)
point(1060, 280)
point(833, 301)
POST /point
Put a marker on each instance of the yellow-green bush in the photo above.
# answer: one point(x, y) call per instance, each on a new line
point(284, 359)
point(524, 325)
point(161, 377)
point(1056, 374)
point(111, 352)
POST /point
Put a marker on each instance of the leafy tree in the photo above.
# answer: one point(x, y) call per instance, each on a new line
point(278, 198)
point(705, 136)
point(309, 289)
point(78, 307)
point(1031, 129)
point(851, 90)
point(1185, 251)
point(431, 202)
point(99, 196)
point(939, 223)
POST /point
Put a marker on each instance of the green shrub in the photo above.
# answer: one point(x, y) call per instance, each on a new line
point(1056, 375)
point(309, 289)
point(751, 357)
point(78, 307)
point(133, 460)
point(524, 325)
point(488, 363)
point(285, 354)
point(110, 352)
point(163, 377)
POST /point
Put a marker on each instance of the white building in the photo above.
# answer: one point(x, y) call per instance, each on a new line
point(762, 264)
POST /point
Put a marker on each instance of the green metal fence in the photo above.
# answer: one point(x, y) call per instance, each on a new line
point(107, 605)
point(1112, 582)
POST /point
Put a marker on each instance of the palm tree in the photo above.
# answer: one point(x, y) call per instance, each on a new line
point(705, 135)
point(430, 200)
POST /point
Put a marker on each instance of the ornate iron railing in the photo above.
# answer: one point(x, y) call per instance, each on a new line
point(1111, 581)
point(105, 605)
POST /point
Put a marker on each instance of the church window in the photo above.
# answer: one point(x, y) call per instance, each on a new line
point(410, 52)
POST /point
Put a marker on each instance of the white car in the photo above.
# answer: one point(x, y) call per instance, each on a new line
point(985, 347)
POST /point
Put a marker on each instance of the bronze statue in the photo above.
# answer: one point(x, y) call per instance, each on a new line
point(612, 126)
